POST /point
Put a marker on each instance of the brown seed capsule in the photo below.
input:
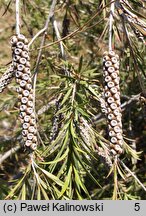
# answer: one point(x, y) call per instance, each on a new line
point(24, 133)
point(19, 90)
point(113, 106)
point(114, 59)
point(32, 129)
point(116, 66)
point(116, 81)
point(105, 73)
point(22, 61)
point(22, 114)
point(23, 83)
point(30, 97)
point(27, 64)
point(118, 102)
point(120, 142)
point(119, 118)
point(27, 70)
point(28, 86)
point(30, 136)
point(111, 69)
point(26, 41)
point(110, 100)
point(117, 129)
point(119, 136)
point(13, 40)
point(20, 67)
point(18, 74)
point(24, 54)
point(20, 96)
point(116, 112)
point(25, 77)
point(106, 58)
point(108, 63)
point(33, 122)
point(16, 58)
point(111, 53)
point(25, 93)
point(118, 148)
point(111, 116)
point(27, 118)
point(114, 75)
point(33, 116)
point(34, 139)
point(107, 94)
point(113, 123)
point(25, 48)
point(107, 78)
point(117, 96)
point(113, 152)
point(24, 100)
point(29, 110)
point(34, 146)
point(23, 108)
point(114, 140)
point(21, 37)
point(30, 103)
point(110, 84)
point(28, 143)
point(17, 51)
point(20, 45)
point(25, 126)
point(112, 133)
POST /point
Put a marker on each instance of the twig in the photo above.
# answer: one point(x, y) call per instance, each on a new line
point(37, 35)
point(17, 18)
point(9, 153)
point(51, 13)
point(55, 25)
point(46, 107)
point(134, 176)
point(111, 24)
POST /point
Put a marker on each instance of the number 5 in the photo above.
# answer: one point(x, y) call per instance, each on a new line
point(137, 207)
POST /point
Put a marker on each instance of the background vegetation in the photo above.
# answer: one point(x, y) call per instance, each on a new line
point(73, 158)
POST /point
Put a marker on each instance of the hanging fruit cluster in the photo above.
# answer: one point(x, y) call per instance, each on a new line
point(21, 65)
point(112, 100)
point(6, 78)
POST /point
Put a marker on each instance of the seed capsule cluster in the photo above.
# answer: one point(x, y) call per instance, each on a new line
point(56, 119)
point(6, 78)
point(112, 100)
point(21, 63)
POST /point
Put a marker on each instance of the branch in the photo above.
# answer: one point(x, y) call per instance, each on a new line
point(132, 174)
point(9, 153)
point(17, 18)
point(37, 35)
point(51, 13)
point(111, 24)
point(55, 25)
